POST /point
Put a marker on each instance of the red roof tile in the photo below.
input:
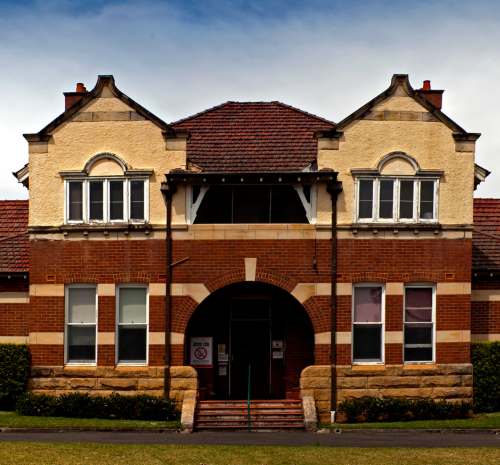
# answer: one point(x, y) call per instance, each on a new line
point(14, 240)
point(486, 236)
point(252, 137)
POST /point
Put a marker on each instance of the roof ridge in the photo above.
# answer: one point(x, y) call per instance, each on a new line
point(208, 110)
point(304, 112)
point(272, 102)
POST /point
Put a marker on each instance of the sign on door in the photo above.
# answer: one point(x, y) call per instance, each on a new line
point(201, 352)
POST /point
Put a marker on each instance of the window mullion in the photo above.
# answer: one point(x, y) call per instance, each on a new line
point(396, 199)
point(105, 201)
point(416, 200)
point(85, 201)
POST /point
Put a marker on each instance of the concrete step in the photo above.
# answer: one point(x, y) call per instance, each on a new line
point(264, 414)
point(253, 428)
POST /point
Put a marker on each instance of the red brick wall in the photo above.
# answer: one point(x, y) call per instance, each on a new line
point(14, 316)
point(402, 260)
point(283, 263)
point(485, 314)
point(14, 319)
point(485, 317)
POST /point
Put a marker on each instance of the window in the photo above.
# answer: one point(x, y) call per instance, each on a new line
point(419, 317)
point(368, 323)
point(81, 327)
point(132, 324)
point(251, 204)
point(101, 200)
point(396, 199)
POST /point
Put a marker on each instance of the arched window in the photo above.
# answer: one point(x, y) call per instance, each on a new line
point(106, 191)
point(397, 191)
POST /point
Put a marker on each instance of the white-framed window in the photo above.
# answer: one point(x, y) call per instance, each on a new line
point(406, 199)
point(368, 322)
point(80, 335)
point(419, 323)
point(106, 200)
point(132, 317)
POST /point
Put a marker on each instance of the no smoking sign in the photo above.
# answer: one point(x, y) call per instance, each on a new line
point(201, 352)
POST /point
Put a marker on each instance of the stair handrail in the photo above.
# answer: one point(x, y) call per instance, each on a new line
point(248, 397)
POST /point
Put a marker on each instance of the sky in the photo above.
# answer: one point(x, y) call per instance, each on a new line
point(177, 58)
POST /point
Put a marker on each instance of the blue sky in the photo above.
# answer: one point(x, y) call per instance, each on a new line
point(177, 58)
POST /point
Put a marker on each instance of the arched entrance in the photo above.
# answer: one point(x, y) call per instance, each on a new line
point(256, 324)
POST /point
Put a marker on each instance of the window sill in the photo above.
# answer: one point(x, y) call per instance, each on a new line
point(402, 226)
point(105, 226)
point(418, 363)
point(364, 364)
point(80, 364)
point(143, 364)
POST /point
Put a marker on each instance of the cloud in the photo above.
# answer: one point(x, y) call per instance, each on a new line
point(177, 58)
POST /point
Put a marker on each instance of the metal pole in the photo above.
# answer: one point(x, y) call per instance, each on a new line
point(334, 189)
point(167, 191)
point(249, 372)
point(168, 280)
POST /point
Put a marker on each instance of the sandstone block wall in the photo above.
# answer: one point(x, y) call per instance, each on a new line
point(440, 381)
point(182, 379)
point(318, 379)
point(105, 381)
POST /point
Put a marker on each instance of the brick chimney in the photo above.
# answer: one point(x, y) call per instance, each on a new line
point(433, 96)
point(72, 97)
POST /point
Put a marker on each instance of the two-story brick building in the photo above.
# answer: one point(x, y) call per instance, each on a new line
point(251, 234)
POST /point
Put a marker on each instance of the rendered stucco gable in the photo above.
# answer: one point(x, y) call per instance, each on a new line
point(105, 124)
point(400, 123)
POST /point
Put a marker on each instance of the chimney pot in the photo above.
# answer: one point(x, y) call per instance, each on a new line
point(433, 96)
point(72, 97)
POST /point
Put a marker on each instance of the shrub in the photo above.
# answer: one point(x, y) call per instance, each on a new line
point(485, 357)
point(14, 367)
point(78, 405)
point(374, 409)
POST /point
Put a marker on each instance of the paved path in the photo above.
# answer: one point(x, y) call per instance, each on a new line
point(365, 439)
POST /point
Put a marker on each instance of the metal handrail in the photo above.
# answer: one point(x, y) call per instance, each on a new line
point(249, 371)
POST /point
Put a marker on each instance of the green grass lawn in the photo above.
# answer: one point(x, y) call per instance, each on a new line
point(482, 421)
point(13, 420)
point(29, 453)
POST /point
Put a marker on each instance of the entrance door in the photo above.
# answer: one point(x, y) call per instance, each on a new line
point(250, 345)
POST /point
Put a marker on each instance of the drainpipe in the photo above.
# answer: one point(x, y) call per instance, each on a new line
point(168, 190)
point(334, 189)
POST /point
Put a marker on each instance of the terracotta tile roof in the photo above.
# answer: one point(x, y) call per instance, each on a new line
point(252, 137)
point(486, 235)
point(14, 240)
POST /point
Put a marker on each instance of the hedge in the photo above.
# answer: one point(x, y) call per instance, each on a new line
point(82, 405)
point(374, 409)
point(14, 370)
point(485, 358)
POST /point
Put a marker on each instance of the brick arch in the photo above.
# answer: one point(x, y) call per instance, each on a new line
point(315, 308)
point(185, 306)
point(421, 276)
point(373, 276)
point(131, 277)
point(81, 277)
point(369, 276)
point(237, 275)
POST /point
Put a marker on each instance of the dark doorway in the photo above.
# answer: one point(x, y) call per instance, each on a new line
point(250, 346)
point(252, 323)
